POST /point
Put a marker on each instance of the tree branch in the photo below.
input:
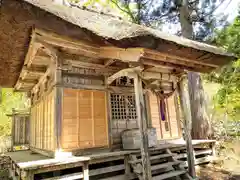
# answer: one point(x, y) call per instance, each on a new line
point(128, 11)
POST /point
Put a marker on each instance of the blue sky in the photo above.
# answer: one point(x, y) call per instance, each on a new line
point(230, 9)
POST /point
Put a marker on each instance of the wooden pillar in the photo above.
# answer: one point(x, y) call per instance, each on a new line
point(187, 129)
point(142, 124)
point(58, 100)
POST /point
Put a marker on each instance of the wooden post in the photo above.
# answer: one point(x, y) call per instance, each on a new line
point(213, 147)
point(186, 123)
point(58, 100)
point(142, 124)
point(85, 171)
point(13, 129)
point(127, 165)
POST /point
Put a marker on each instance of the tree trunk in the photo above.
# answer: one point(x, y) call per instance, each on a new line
point(200, 122)
point(201, 127)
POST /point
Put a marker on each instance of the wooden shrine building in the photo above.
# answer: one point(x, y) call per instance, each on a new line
point(92, 76)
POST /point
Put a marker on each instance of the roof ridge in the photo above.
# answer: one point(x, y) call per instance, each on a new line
point(85, 8)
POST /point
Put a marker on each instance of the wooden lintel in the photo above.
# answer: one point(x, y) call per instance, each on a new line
point(84, 76)
point(74, 63)
point(130, 72)
point(84, 86)
point(158, 76)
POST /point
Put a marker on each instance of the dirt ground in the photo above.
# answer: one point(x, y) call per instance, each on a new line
point(226, 167)
point(212, 173)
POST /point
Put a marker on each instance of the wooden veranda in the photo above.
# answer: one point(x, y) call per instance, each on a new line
point(107, 165)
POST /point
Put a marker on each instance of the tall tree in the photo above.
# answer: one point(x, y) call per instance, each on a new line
point(228, 96)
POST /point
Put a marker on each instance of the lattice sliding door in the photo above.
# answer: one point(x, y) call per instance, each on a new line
point(123, 115)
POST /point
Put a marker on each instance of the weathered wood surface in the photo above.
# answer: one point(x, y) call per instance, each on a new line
point(142, 124)
point(84, 122)
point(95, 172)
point(187, 130)
point(33, 165)
point(169, 175)
point(20, 127)
point(156, 155)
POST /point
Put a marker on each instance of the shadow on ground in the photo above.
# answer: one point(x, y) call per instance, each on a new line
point(211, 173)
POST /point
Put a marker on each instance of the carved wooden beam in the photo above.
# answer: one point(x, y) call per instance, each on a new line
point(130, 72)
point(109, 62)
point(127, 55)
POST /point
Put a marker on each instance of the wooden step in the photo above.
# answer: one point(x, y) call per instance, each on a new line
point(169, 175)
point(161, 156)
point(164, 165)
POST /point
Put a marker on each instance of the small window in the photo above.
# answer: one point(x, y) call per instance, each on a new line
point(123, 107)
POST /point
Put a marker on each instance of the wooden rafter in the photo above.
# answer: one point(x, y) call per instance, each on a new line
point(64, 42)
point(127, 55)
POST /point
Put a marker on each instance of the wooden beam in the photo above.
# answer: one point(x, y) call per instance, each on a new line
point(127, 55)
point(56, 40)
point(28, 81)
point(34, 70)
point(68, 63)
point(142, 124)
point(130, 72)
point(32, 51)
point(186, 124)
point(156, 55)
point(178, 67)
point(158, 76)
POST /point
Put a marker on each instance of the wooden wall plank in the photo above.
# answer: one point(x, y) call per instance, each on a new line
point(42, 119)
point(171, 115)
point(84, 122)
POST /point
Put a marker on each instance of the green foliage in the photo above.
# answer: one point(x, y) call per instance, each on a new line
point(228, 96)
point(10, 100)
